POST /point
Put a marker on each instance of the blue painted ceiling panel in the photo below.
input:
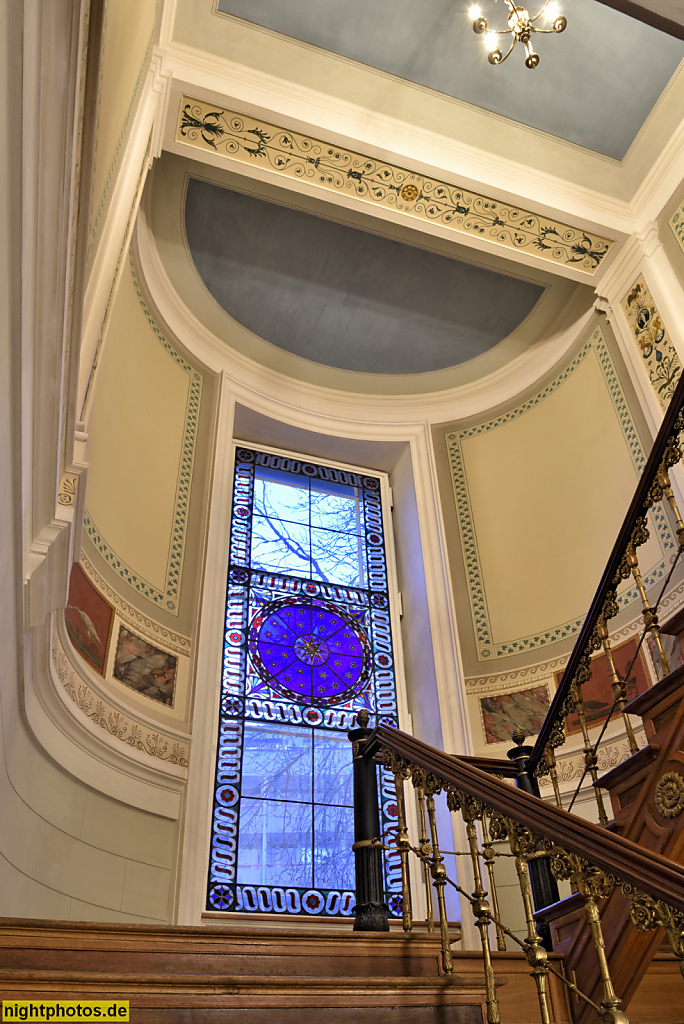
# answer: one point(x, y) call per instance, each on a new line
point(345, 297)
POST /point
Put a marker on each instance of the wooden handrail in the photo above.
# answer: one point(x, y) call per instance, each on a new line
point(635, 510)
point(491, 765)
point(648, 871)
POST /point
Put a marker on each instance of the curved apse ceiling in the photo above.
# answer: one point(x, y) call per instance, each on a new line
point(601, 53)
point(344, 297)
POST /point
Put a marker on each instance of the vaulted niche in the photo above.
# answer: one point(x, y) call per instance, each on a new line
point(342, 296)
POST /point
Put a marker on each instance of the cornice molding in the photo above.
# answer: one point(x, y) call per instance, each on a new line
point(385, 138)
point(139, 622)
point(331, 411)
point(619, 277)
point(61, 645)
point(661, 180)
point(572, 766)
point(84, 746)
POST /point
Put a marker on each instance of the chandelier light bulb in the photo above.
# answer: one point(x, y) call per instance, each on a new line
point(521, 27)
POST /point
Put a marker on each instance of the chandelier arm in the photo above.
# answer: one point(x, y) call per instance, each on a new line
point(507, 54)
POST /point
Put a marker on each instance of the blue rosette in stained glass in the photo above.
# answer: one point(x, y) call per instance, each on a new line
point(310, 651)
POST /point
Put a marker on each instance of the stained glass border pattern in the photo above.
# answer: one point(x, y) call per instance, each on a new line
point(237, 706)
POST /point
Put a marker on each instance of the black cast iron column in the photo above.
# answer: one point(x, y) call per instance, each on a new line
point(544, 885)
point(371, 911)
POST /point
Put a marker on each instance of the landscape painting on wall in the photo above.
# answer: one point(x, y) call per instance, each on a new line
point(504, 712)
point(143, 667)
point(88, 619)
point(597, 692)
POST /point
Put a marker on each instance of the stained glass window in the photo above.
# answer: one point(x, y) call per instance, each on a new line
point(307, 645)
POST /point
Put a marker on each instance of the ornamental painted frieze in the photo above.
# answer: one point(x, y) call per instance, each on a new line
point(251, 141)
point(660, 357)
point(676, 222)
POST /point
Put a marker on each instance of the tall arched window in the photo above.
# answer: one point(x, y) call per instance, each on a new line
point(307, 645)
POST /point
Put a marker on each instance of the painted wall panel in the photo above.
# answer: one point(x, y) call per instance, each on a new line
point(141, 451)
point(541, 492)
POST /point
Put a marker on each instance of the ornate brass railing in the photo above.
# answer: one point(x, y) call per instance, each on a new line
point(654, 486)
point(595, 860)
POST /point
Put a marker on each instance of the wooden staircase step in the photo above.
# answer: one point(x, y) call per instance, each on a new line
point(212, 950)
point(264, 974)
point(333, 963)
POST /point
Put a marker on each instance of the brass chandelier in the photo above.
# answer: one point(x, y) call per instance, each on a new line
point(521, 27)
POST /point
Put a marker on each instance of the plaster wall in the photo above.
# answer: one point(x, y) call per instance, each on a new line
point(66, 851)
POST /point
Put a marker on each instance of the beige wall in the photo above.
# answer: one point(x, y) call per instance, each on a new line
point(66, 851)
point(69, 852)
point(544, 489)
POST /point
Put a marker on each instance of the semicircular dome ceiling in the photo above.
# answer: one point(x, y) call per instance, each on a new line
point(341, 296)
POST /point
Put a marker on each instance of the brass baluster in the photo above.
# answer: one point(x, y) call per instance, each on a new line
point(403, 846)
point(663, 481)
point(550, 758)
point(426, 854)
point(488, 857)
point(619, 686)
point(590, 756)
point(593, 884)
point(650, 615)
point(439, 879)
point(481, 912)
point(523, 845)
point(610, 1001)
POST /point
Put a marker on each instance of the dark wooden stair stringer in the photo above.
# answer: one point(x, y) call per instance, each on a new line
point(632, 788)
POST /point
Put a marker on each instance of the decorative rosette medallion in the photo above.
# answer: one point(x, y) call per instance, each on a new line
point(669, 795)
point(310, 651)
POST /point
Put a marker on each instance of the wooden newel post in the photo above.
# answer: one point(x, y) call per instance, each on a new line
point(371, 912)
point(544, 885)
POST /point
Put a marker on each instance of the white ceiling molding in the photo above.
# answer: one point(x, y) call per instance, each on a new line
point(661, 181)
point(657, 13)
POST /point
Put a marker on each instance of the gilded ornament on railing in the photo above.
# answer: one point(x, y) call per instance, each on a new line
point(648, 913)
point(669, 795)
point(655, 345)
point(294, 155)
point(591, 881)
